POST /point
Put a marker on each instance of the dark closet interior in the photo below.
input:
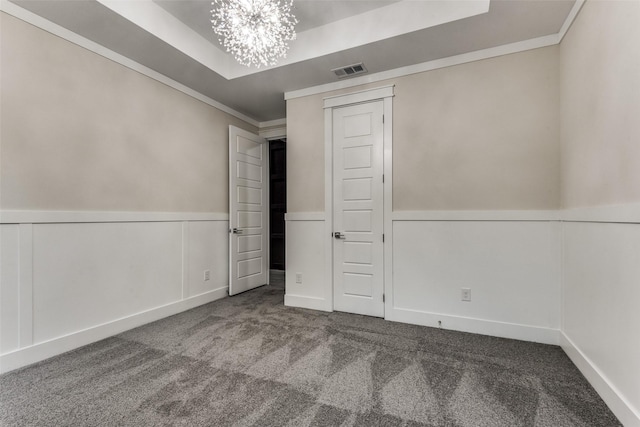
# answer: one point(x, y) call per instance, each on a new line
point(278, 201)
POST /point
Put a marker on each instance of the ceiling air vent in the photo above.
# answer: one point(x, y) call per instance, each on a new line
point(349, 70)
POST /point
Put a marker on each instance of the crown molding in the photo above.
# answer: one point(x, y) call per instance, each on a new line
point(55, 29)
point(273, 123)
point(464, 58)
point(570, 18)
point(479, 55)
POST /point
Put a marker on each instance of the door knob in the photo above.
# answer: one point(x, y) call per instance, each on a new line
point(236, 231)
point(339, 235)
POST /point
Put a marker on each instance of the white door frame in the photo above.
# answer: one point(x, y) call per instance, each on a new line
point(276, 129)
point(385, 94)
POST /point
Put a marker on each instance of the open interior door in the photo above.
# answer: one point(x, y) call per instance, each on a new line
point(248, 211)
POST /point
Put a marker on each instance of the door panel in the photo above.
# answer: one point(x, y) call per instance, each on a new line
point(248, 225)
point(358, 209)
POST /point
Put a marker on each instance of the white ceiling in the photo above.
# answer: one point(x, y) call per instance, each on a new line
point(173, 37)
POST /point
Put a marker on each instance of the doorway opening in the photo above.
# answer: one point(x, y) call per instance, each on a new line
point(277, 202)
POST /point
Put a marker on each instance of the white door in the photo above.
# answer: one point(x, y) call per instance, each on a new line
point(358, 263)
point(248, 215)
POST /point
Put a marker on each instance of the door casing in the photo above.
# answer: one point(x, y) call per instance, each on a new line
point(358, 204)
point(385, 94)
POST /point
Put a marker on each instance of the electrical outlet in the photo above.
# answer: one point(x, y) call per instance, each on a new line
point(299, 278)
point(207, 275)
point(466, 294)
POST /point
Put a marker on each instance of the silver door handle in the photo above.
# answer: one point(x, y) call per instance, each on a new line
point(236, 231)
point(339, 235)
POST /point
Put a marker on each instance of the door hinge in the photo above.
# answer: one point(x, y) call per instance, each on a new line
point(383, 178)
point(382, 297)
point(382, 237)
point(383, 118)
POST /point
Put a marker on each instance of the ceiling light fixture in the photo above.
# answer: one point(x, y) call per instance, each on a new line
point(255, 32)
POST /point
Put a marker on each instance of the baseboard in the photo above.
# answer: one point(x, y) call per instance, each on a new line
point(41, 351)
point(476, 326)
point(620, 406)
point(307, 302)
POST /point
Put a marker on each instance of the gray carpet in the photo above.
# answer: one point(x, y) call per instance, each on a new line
point(250, 361)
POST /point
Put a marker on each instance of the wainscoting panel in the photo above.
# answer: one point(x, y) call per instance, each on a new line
point(208, 250)
point(9, 287)
point(64, 285)
point(510, 261)
point(305, 255)
point(601, 308)
point(511, 267)
point(88, 274)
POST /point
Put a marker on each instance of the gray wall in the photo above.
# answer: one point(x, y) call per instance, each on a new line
point(80, 132)
point(482, 135)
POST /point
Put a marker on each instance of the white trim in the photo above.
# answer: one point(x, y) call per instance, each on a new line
point(278, 129)
point(38, 21)
point(25, 309)
point(476, 326)
point(399, 18)
point(570, 18)
point(386, 94)
point(55, 29)
point(388, 202)
point(304, 216)
point(266, 176)
point(478, 55)
point(185, 259)
point(622, 408)
point(629, 213)
point(270, 123)
point(328, 205)
point(44, 350)
point(464, 58)
point(463, 215)
point(337, 36)
point(38, 217)
point(562, 270)
point(274, 133)
point(611, 213)
point(311, 303)
point(366, 95)
point(155, 20)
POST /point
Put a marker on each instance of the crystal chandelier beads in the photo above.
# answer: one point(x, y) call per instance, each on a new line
point(255, 32)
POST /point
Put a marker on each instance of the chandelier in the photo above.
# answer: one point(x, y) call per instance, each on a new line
point(254, 31)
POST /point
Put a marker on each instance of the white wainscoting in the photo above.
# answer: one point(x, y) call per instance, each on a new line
point(601, 303)
point(305, 254)
point(509, 259)
point(511, 266)
point(65, 284)
point(559, 277)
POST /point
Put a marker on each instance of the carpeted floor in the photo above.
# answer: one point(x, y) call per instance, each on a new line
point(248, 360)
